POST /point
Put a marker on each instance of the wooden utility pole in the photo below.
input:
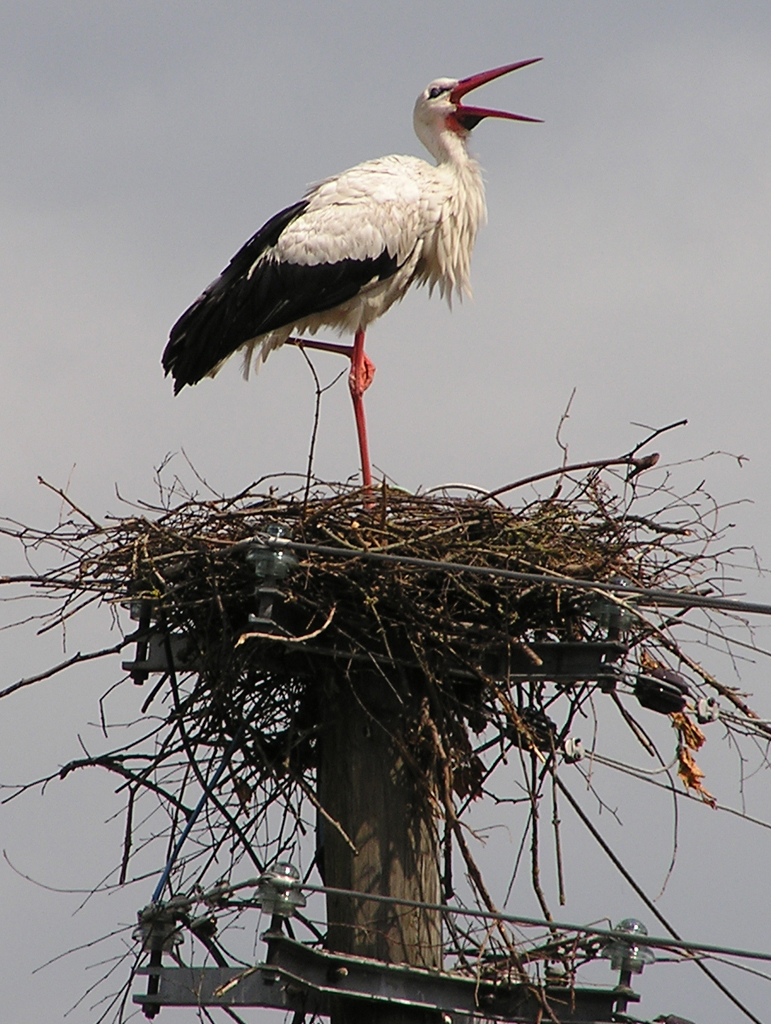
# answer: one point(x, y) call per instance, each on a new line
point(365, 785)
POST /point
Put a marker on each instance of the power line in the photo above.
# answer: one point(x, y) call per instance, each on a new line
point(535, 922)
point(669, 598)
point(648, 901)
point(642, 775)
point(208, 789)
point(222, 891)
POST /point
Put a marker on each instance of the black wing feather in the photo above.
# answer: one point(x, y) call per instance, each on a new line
point(236, 308)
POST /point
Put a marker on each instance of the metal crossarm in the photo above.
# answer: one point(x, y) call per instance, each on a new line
point(312, 981)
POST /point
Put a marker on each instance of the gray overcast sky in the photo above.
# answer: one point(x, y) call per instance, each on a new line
point(627, 255)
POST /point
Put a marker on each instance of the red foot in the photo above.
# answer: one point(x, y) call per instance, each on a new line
point(361, 376)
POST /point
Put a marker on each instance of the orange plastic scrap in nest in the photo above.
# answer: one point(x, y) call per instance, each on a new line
point(691, 738)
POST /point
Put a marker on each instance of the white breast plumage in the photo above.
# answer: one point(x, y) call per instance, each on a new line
point(348, 250)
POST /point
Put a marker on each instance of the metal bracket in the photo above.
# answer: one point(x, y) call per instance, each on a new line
point(563, 662)
point(312, 981)
point(151, 656)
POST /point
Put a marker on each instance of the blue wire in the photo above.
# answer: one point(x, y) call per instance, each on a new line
point(192, 820)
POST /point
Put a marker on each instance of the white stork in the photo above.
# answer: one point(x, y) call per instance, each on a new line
point(348, 250)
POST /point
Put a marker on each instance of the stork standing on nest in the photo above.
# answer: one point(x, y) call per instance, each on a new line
point(348, 250)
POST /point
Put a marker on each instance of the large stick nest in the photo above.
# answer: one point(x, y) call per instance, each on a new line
point(468, 643)
point(249, 659)
point(193, 570)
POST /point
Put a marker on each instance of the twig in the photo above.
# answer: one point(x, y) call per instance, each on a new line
point(65, 497)
point(127, 836)
point(636, 466)
point(76, 659)
point(289, 639)
point(657, 433)
point(557, 842)
point(563, 420)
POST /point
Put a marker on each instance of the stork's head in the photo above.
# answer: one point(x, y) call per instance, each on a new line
point(439, 108)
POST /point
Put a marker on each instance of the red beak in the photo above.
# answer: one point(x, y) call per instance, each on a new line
point(469, 117)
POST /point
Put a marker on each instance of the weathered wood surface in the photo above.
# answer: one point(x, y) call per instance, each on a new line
point(365, 785)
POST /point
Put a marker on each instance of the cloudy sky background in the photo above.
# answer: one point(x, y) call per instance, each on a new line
point(627, 256)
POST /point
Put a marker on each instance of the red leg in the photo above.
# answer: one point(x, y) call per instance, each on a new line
point(321, 346)
point(359, 379)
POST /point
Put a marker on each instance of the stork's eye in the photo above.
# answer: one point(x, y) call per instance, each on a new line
point(437, 90)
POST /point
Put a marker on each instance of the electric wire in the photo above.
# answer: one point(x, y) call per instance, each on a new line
point(208, 787)
point(641, 774)
point(668, 598)
point(535, 922)
point(594, 756)
point(648, 901)
point(221, 892)
point(193, 818)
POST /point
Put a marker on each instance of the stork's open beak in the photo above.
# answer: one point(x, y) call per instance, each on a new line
point(469, 117)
